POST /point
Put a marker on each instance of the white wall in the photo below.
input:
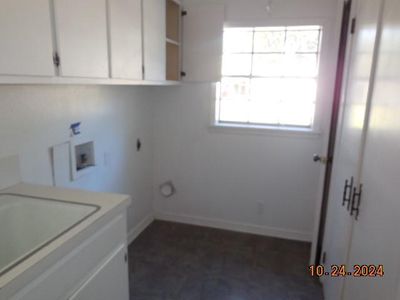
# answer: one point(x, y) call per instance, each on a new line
point(34, 118)
point(259, 183)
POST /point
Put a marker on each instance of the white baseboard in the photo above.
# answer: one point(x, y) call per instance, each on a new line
point(138, 229)
point(240, 227)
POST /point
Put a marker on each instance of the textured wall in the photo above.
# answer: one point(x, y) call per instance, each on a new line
point(34, 118)
point(263, 183)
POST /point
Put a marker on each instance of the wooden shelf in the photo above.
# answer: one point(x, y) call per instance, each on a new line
point(173, 42)
point(173, 62)
point(173, 20)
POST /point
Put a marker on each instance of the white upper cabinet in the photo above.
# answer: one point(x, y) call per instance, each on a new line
point(125, 21)
point(26, 46)
point(81, 30)
point(154, 33)
point(117, 40)
point(202, 42)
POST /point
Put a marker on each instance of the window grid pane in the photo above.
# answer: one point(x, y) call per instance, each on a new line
point(269, 82)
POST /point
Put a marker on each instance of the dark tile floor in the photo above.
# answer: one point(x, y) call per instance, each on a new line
point(174, 261)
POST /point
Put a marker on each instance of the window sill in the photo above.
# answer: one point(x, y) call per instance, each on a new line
point(264, 130)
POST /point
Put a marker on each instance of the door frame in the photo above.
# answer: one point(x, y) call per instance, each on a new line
point(319, 230)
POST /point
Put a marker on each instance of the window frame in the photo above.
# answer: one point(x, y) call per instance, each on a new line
point(322, 93)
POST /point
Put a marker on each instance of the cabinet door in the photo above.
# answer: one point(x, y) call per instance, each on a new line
point(202, 42)
point(376, 235)
point(154, 35)
point(125, 18)
point(351, 140)
point(26, 45)
point(81, 29)
point(109, 282)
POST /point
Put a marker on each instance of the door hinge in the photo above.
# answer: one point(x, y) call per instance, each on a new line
point(184, 13)
point(126, 257)
point(56, 59)
point(356, 201)
point(353, 25)
point(143, 71)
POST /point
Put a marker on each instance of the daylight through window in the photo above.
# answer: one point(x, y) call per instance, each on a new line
point(269, 76)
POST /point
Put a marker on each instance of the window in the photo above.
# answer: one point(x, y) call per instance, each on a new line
point(269, 76)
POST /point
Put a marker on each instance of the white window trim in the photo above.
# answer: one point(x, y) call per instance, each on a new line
point(216, 127)
point(313, 132)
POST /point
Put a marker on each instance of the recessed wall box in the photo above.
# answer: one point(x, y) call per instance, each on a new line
point(83, 158)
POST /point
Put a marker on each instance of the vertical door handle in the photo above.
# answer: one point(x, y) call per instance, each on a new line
point(347, 192)
point(355, 203)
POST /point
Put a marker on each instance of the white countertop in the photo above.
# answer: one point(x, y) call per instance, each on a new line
point(106, 202)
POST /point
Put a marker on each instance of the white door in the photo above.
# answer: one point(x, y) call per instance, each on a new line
point(350, 140)
point(376, 235)
point(81, 30)
point(26, 45)
point(202, 42)
point(109, 282)
point(125, 21)
point(154, 39)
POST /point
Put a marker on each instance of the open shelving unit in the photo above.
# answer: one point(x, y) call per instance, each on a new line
point(173, 40)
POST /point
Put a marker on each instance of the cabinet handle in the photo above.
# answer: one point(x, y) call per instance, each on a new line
point(347, 192)
point(56, 59)
point(356, 200)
